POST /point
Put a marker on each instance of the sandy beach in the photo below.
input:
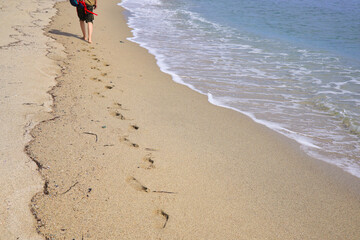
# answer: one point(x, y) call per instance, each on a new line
point(26, 76)
point(126, 153)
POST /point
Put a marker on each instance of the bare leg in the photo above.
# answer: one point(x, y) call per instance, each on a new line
point(90, 30)
point(82, 26)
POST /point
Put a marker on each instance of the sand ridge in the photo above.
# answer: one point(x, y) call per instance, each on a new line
point(27, 73)
point(68, 157)
point(129, 154)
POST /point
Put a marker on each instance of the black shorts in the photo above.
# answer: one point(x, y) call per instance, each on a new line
point(88, 17)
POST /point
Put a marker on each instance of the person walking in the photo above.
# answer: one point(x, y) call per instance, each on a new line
point(88, 17)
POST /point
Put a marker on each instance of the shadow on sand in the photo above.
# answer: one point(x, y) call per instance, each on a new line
point(58, 32)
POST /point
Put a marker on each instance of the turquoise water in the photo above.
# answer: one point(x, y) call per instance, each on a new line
point(328, 25)
point(292, 65)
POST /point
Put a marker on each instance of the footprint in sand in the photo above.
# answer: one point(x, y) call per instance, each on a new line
point(120, 106)
point(95, 68)
point(96, 79)
point(134, 127)
point(162, 218)
point(118, 115)
point(135, 184)
point(99, 94)
point(148, 162)
point(126, 140)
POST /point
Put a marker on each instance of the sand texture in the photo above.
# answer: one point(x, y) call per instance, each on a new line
point(129, 154)
point(26, 74)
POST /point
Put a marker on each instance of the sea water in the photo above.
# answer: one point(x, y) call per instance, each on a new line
point(292, 65)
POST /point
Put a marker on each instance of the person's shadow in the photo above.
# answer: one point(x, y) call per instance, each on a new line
point(58, 32)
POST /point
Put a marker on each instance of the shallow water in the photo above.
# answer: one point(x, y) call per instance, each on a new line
point(293, 65)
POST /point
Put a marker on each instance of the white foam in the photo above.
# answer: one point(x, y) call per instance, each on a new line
point(306, 141)
point(212, 60)
point(140, 2)
point(256, 50)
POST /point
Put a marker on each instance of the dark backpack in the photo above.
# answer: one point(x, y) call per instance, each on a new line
point(75, 3)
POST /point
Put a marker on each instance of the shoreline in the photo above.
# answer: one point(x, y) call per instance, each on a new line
point(308, 130)
point(300, 143)
point(129, 153)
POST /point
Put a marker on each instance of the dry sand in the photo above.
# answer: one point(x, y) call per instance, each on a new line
point(26, 74)
point(129, 154)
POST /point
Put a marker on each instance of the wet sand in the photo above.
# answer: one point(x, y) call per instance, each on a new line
point(129, 154)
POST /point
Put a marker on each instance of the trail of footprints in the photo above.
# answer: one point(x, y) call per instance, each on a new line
point(147, 162)
point(102, 74)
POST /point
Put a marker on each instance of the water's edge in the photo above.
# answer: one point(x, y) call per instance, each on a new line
point(305, 144)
